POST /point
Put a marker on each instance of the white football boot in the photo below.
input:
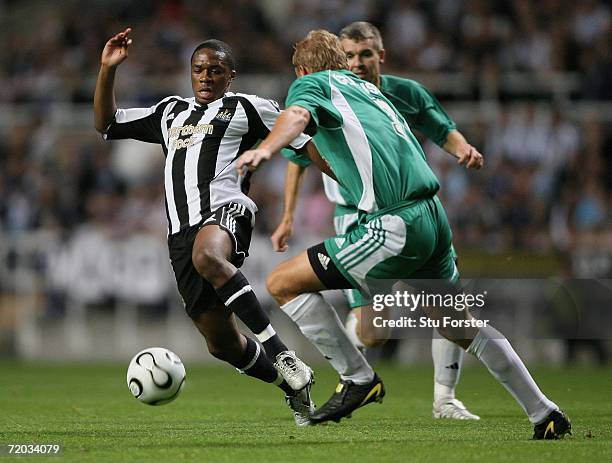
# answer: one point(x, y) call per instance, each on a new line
point(302, 406)
point(452, 409)
point(297, 374)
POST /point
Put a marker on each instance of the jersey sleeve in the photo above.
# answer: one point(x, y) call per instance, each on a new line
point(144, 124)
point(431, 119)
point(309, 93)
point(299, 158)
point(262, 115)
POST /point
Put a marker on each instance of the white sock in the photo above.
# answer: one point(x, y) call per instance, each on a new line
point(494, 350)
point(448, 360)
point(351, 329)
point(319, 322)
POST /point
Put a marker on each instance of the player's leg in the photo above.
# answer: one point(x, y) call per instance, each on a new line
point(493, 349)
point(447, 356)
point(495, 352)
point(448, 362)
point(363, 334)
point(295, 286)
point(211, 317)
point(370, 257)
point(222, 242)
point(225, 342)
point(217, 325)
point(212, 252)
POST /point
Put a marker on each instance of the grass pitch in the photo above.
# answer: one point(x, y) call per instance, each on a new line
point(224, 417)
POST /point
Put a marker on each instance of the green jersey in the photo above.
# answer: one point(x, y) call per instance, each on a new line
point(364, 139)
point(419, 108)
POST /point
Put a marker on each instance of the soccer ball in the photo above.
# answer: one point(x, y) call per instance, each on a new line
point(156, 376)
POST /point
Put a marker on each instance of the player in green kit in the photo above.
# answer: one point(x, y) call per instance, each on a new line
point(361, 140)
point(363, 45)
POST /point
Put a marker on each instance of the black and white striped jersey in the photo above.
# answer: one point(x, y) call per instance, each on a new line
point(201, 145)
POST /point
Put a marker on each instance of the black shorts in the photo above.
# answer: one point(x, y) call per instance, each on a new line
point(197, 293)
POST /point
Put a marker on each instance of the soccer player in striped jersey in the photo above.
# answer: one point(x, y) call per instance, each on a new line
point(365, 143)
point(364, 49)
point(210, 216)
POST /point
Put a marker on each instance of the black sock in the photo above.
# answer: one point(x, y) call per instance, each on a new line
point(259, 366)
point(238, 297)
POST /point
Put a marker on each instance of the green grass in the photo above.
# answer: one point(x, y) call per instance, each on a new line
point(224, 417)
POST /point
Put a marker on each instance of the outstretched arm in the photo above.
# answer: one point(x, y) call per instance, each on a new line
point(284, 230)
point(426, 114)
point(288, 126)
point(467, 155)
point(114, 53)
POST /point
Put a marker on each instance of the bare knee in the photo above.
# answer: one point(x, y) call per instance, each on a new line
point(370, 333)
point(279, 288)
point(460, 335)
point(446, 333)
point(210, 263)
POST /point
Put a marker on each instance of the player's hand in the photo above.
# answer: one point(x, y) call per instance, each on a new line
point(252, 159)
point(281, 235)
point(469, 157)
point(116, 49)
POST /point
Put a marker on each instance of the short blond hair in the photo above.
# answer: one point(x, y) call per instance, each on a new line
point(320, 50)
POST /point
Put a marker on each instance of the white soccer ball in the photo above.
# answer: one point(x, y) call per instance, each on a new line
point(156, 376)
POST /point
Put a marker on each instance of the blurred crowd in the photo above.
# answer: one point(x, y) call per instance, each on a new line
point(546, 181)
point(49, 50)
point(548, 176)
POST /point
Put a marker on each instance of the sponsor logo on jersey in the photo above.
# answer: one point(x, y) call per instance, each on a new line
point(184, 130)
point(175, 132)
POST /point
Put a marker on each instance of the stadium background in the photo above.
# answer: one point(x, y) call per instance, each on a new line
point(84, 271)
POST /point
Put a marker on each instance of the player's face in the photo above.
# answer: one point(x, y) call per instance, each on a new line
point(210, 75)
point(364, 60)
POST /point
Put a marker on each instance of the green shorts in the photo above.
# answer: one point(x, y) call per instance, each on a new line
point(345, 221)
point(413, 240)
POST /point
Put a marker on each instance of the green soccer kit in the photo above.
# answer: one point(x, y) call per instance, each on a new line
point(381, 169)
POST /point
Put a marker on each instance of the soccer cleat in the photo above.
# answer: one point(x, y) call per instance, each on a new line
point(555, 426)
point(452, 409)
point(302, 406)
point(297, 374)
point(347, 398)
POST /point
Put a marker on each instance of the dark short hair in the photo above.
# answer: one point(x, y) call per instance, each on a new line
point(218, 45)
point(362, 30)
